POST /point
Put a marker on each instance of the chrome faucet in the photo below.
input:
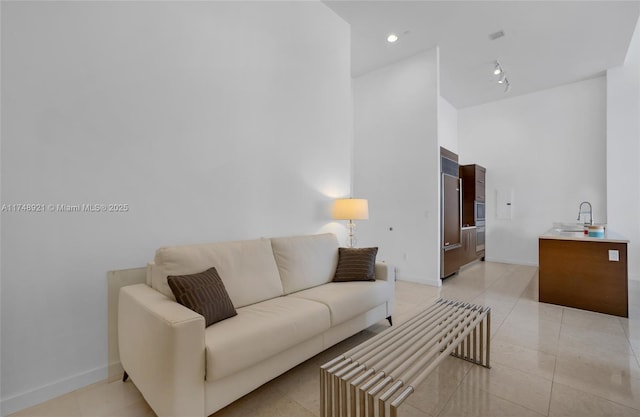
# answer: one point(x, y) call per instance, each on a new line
point(590, 212)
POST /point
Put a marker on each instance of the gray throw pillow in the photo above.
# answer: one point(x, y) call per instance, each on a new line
point(203, 293)
point(356, 264)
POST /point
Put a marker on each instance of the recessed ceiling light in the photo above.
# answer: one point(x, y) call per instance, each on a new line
point(392, 38)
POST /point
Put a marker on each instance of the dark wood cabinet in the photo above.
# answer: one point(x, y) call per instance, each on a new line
point(480, 174)
point(473, 179)
point(579, 274)
point(473, 191)
point(469, 253)
point(451, 261)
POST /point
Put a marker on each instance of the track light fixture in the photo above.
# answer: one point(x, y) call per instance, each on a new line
point(502, 76)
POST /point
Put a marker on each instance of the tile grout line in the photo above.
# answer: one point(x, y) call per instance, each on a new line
point(555, 363)
point(599, 397)
point(444, 407)
point(510, 401)
point(514, 304)
point(518, 370)
point(627, 335)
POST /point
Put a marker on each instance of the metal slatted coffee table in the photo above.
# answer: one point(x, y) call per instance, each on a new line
point(378, 375)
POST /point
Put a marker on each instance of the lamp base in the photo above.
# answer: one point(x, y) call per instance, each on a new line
point(351, 226)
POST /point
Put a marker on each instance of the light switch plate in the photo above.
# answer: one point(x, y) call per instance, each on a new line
point(614, 255)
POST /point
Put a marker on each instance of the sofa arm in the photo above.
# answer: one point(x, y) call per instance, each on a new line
point(162, 349)
point(385, 272)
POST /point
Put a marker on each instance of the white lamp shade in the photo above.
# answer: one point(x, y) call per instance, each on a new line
point(351, 209)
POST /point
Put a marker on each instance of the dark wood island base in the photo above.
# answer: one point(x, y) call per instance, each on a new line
point(579, 273)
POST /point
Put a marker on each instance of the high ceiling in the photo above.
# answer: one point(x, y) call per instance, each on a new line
point(546, 43)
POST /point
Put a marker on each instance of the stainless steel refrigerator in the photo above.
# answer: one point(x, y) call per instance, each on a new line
point(451, 214)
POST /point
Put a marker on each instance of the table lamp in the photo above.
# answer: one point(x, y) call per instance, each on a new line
point(351, 209)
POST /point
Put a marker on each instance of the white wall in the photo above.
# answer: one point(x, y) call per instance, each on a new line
point(623, 151)
point(447, 125)
point(396, 164)
point(211, 120)
point(549, 148)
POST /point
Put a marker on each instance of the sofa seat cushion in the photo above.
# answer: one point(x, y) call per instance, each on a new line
point(260, 331)
point(347, 300)
point(305, 261)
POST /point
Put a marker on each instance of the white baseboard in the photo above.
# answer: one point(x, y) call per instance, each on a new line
point(55, 389)
point(115, 371)
point(420, 280)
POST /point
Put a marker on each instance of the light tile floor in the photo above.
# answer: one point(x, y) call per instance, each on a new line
point(547, 360)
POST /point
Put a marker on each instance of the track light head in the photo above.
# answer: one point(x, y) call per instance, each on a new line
point(497, 70)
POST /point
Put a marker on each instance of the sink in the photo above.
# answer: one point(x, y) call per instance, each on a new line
point(569, 230)
point(568, 227)
point(571, 227)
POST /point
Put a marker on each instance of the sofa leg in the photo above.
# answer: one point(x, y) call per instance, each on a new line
point(125, 376)
point(390, 321)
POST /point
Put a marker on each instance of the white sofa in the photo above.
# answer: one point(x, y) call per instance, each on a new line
point(288, 311)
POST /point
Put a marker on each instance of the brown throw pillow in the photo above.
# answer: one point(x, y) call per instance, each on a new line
point(356, 264)
point(203, 293)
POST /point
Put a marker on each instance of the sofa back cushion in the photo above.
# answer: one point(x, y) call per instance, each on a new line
point(247, 268)
point(305, 261)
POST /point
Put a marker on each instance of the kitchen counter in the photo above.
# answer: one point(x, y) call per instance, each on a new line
point(609, 236)
point(584, 272)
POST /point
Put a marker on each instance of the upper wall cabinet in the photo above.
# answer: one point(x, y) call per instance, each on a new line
point(473, 189)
